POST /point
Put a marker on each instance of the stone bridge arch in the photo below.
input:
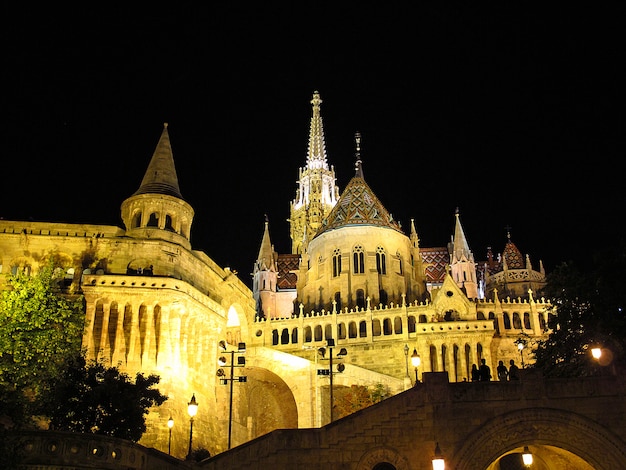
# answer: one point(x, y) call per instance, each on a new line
point(576, 434)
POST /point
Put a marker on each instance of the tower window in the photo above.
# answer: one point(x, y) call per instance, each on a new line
point(358, 260)
point(336, 263)
point(381, 260)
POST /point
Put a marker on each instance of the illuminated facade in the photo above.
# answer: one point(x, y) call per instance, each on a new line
point(156, 305)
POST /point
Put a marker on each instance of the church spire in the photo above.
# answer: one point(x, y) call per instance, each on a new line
point(317, 192)
point(316, 156)
point(358, 166)
point(462, 265)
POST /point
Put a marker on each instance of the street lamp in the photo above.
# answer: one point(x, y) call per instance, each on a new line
point(340, 368)
point(406, 358)
point(170, 424)
point(416, 360)
point(520, 345)
point(241, 362)
point(527, 457)
point(192, 409)
point(438, 461)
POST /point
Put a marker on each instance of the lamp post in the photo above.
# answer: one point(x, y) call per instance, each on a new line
point(170, 424)
point(241, 362)
point(527, 457)
point(416, 360)
point(192, 409)
point(340, 368)
point(406, 358)
point(520, 346)
point(438, 461)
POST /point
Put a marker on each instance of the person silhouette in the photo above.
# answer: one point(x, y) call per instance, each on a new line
point(485, 371)
point(513, 370)
point(503, 373)
point(475, 373)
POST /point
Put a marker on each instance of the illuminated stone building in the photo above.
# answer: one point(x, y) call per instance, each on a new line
point(156, 305)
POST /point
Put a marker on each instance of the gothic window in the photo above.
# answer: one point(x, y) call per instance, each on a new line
point(480, 316)
point(358, 260)
point(381, 260)
point(384, 298)
point(294, 336)
point(401, 265)
point(336, 262)
point(517, 323)
point(360, 298)
point(308, 336)
point(338, 301)
point(284, 336)
point(274, 337)
point(527, 320)
point(352, 330)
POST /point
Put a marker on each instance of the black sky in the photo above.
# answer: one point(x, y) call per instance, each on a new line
point(510, 111)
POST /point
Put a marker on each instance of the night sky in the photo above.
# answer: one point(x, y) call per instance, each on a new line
point(510, 111)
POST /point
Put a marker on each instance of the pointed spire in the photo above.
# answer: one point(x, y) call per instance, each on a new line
point(160, 177)
point(265, 260)
point(413, 236)
point(316, 157)
point(358, 166)
point(461, 247)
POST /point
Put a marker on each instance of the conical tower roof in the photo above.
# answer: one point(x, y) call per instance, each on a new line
point(160, 177)
point(358, 205)
point(511, 255)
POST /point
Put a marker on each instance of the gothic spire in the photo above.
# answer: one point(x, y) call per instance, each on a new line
point(316, 157)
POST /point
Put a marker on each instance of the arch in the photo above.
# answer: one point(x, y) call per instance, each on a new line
point(374, 458)
point(540, 426)
point(507, 321)
point(352, 332)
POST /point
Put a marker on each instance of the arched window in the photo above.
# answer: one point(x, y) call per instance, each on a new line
point(517, 322)
point(352, 330)
point(168, 223)
point(284, 336)
point(507, 321)
point(397, 325)
point(318, 333)
point(381, 260)
point(341, 330)
point(294, 336)
point(376, 327)
point(358, 260)
point(363, 329)
point(308, 336)
point(384, 298)
point(411, 324)
point(360, 298)
point(136, 220)
point(387, 326)
point(338, 301)
point(336, 262)
point(527, 320)
point(153, 221)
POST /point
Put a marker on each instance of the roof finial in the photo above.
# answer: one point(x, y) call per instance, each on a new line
point(359, 164)
point(508, 232)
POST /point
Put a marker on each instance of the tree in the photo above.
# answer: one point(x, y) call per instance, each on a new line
point(93, 398)
point(588, 310)
point(358, 397)
point(40, 328)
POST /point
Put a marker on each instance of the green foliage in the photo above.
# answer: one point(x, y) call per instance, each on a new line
point(40, 328)
point(92, 398)
point(589, 309)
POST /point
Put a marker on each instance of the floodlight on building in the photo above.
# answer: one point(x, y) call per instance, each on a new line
point(438, 461)
point(527, 457)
